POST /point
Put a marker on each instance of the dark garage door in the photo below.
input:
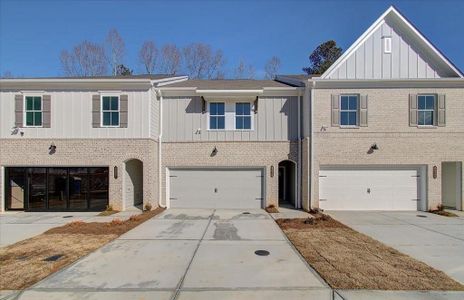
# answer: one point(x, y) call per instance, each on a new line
point(56, 188)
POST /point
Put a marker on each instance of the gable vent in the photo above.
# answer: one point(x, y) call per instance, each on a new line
point(387, 44)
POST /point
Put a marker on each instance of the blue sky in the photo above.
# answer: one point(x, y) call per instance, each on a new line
point(33, 33)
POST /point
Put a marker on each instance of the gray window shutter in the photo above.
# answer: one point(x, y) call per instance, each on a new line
point(363, 111)
point(441, 110)
point(335, 110)
point(123, 111)
point(19, 110)
point(96, 112)
point(413, 110)
point(255, 106)
point(46, 111)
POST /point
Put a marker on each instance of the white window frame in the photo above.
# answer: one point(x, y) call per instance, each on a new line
point(250, 115)
point(387, 44)
point(349, 110)
point(434, 110)
point(209, 116)
point(25, 110)
point(111, 111)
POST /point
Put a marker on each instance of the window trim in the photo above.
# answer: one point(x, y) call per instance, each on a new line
point(387, 40)
point(25, 110)
point(112, 111)
point(435, 111)
point(209, 116)
point(250, 115)
point(350, 110)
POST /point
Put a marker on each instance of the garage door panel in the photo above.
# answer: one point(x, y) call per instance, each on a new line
point(364, 189)
point(216, 188)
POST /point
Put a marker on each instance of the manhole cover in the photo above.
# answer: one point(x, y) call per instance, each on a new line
point(53, 257)
point(65, 217)
point(421, 216)
point(245, 213)
point(262, 252)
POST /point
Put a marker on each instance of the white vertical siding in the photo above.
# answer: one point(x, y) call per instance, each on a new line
point(71, 116)
point(370, 62)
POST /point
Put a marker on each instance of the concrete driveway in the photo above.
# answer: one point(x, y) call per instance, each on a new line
point(17, 226)
point(438, 241)
point(190, 254)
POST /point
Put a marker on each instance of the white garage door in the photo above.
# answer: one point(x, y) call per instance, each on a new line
point(364, 189)
point(216, 188)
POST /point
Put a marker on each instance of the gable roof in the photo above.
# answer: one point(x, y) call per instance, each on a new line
point(393, 14)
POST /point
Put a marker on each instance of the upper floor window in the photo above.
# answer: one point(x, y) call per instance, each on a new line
point(242, 115)
point(110, 111)
point(426, 110)
point(349, 110)
point(33, 111)
point(217, 117)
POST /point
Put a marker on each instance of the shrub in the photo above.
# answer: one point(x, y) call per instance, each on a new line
point(109, 207)
point(148, 206)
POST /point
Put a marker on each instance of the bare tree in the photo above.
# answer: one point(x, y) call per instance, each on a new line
point(85, 59)
point(170, 61)
point(148, 56)
point(7, 74)
point(201, 62)
point(116, 48)
point(272, 67)
point(244, 71)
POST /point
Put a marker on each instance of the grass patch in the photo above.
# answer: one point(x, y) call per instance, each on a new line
point(443, 213)
point(23, 264)
point(347, 259)
point(107, 213)
point(271, 209)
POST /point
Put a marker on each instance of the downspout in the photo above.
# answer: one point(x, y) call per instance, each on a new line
point(160, 142)
point(311, 141)
point(299, 169)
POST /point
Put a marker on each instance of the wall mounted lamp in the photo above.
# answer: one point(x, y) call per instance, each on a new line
point(52, 148)
point(214, 152)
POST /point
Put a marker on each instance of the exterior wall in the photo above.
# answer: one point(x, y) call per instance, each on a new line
point(71, 116)
point(276, 120)
point(369, 61)
point(306, 174)
point(388, 126)
point(231, 154)
point(87, 152)
point(154, 115)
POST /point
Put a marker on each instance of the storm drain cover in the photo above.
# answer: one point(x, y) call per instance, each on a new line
point(65, 217)
point(245, 213)
point(421, 216)
point(53, 257)
point(262, 252)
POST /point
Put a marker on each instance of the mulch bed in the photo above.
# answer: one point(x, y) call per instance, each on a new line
point(27, 262)
point(347, 259)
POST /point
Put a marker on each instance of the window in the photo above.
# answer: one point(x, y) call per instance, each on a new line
point(426, 110)
point(349, 110)
point(242, 115)
point(33, 111)
point(110, 111)
point(387, 44)
point(217, 116)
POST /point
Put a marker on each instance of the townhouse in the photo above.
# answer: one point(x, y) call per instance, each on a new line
point(381, 129)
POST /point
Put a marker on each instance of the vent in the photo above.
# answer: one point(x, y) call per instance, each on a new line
point(387, 44)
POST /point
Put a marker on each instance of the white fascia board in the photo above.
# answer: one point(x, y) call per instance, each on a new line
point(229, 92)
point(391, 83)
point(169, 80)
point(87, 84)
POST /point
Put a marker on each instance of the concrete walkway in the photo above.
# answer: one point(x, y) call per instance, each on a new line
point(18, 226)
point(190, 254)
point(436, 240)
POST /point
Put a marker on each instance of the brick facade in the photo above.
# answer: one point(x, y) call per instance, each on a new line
point(87, 152)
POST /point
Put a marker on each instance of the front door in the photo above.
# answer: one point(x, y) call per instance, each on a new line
point(15, 188)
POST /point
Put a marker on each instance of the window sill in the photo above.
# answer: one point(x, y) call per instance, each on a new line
point(427, 126)
point(230, 130)
point(349, 127)
point(110, 127)
point(32, 126)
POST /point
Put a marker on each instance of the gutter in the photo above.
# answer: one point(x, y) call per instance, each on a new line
point(160, 142)
point(311, 156)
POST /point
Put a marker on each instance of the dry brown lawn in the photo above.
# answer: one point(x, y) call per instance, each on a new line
point(347, 259)
point(23, 264)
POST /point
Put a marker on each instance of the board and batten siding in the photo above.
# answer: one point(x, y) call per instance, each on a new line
point(370, 61)
point(276, 120)
point(71, 116)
